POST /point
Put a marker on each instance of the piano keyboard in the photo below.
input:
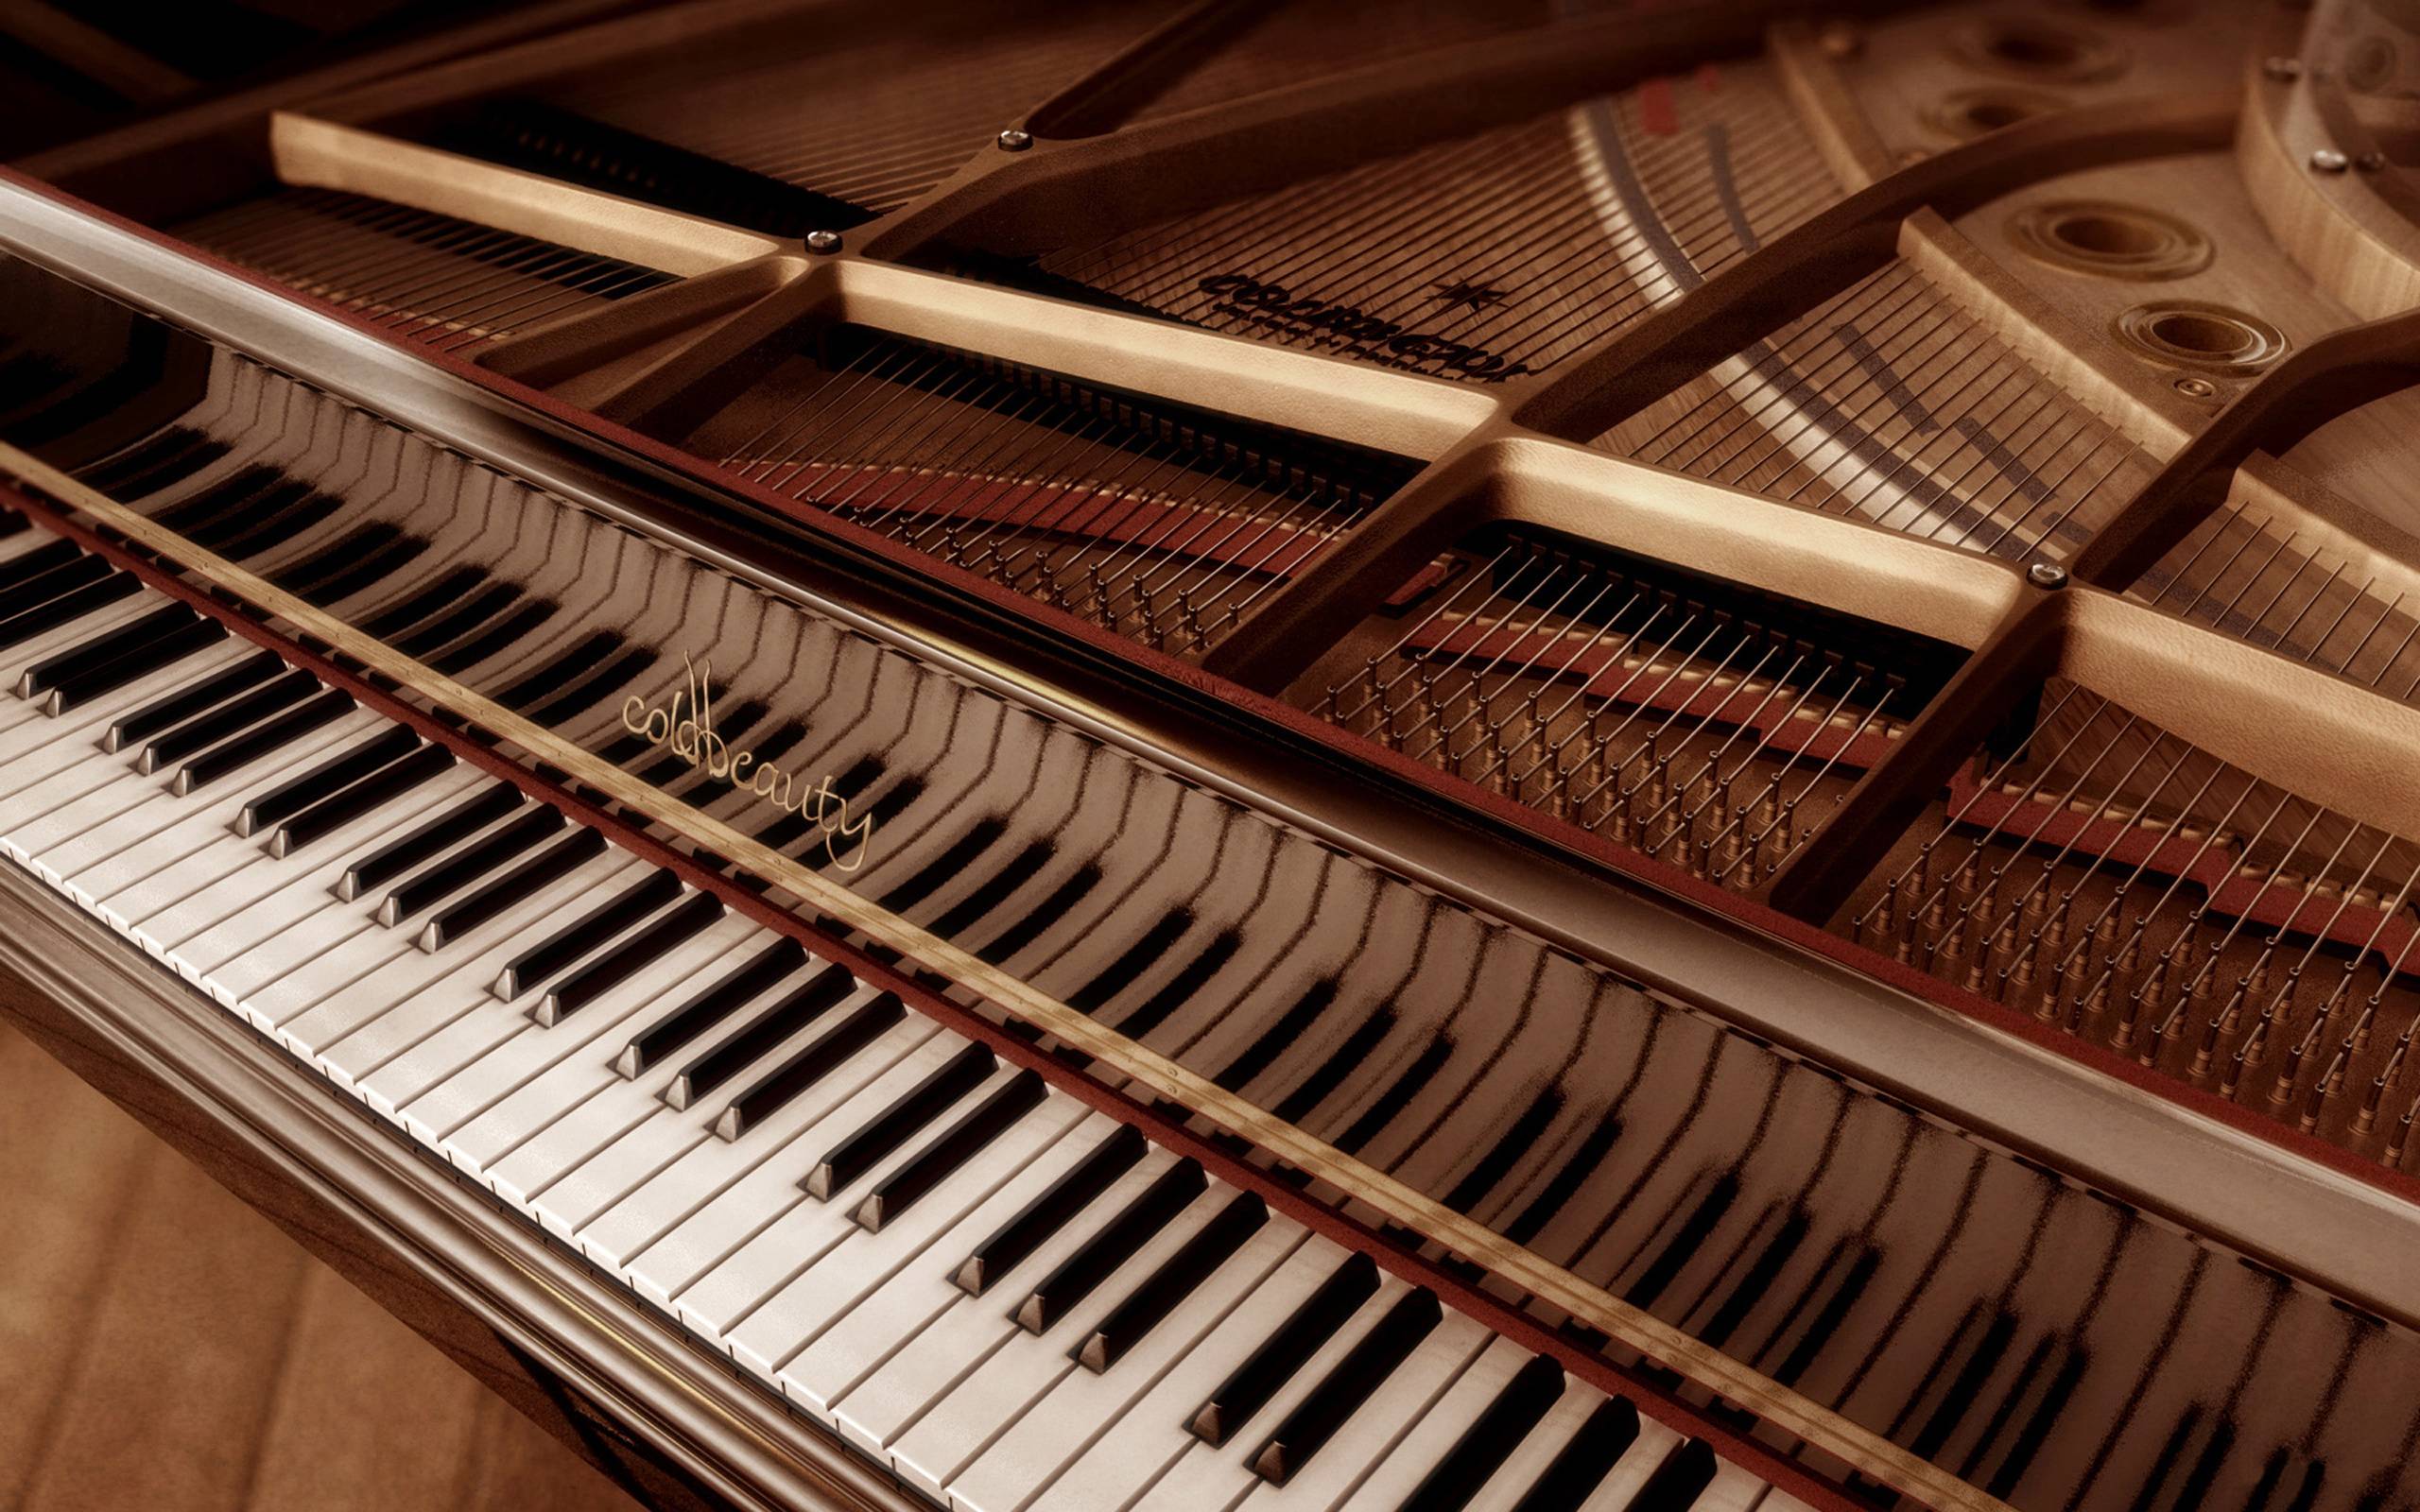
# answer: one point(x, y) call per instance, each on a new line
point(661, 1083)
point(1011, 1298)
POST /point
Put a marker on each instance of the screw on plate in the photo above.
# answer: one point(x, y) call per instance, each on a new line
point(2371, 161)
point(1014, 140)
point(823, 241)
point(2046, 575)
point(2197, 387)
point(2327, 160)
point(2282, 70)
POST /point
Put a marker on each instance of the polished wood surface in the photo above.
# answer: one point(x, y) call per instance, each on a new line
point(169, 1348)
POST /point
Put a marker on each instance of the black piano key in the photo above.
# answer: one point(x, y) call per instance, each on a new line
point(100, 649)
point(503, 846)
point(276, 517)
point(1519, 1140)
point(1014, 1240)
point(398, 855)
point(1490, 1441)
point(1132, 962)
point(1341, 1392)
point(1012, 878)
point(1176, 1279)
point(611, 969)
point(306, 576)
point(64, 578)
point(593, 689)
point(501, 892)
point(710, 1006)
point(1570, 1177)
point(795, 1010)
point(1037, 916)
point(262, 740)
point(1397, 1095)
point(587, 934)
point(152, 464)
point(1575, 1473)
point(1348, 1060)
point(950, 1149)
point(174, 709)
point(509, 632)
point(560, 670)
point(18, 571)
point(333, 775)
point(219, 499)
point(454, 620)
point(951, 864)
point(1081, 1273)
point(811, 1064)
point(1676, 1483)
point(208, 729)
point(141, 661)
point(341, 808)
point(1271, 1365)
point(1287, 1030)
point(876, 1140)
point(1757, 1283)
point(425, 603)
point(1685, 1242)
point(1184, 987)
point(26, 624)
point(367, 571)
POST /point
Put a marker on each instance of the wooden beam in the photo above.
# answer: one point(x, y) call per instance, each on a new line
point(1607, 383)
point(2323, 381)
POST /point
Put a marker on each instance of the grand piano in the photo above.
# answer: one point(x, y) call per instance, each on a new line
point(1340, 754)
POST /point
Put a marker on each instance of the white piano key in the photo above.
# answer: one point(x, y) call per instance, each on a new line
point(896, 1398)
point(511, 1049)
point(630, 1203)
point(1427, 1440)
point(296, 889)
point(1620, 1486)
point(1380, 1424)
point(603, 1118)
point(1521, 1471)
point(202, 838)
point(1023, 1464)
point(570, 1065)
point(787, 1334)
point(166, 885)
point(831, 1370)
point(14, 661)
point(779, 1229)
point(397, 1012)
point(1020, 1372)
point(309, 921)
point(1134, 1448)
point(1733, 1491)
point(1223, 1476)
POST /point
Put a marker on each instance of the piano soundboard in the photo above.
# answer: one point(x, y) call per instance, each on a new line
point(1353, 754)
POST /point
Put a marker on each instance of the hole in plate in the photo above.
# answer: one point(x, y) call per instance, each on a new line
point(1971, 113)
point(2039, 49)
point(2181, 332)
point(2111, 240)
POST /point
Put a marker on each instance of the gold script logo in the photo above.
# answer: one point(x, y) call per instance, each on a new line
point(691, 737)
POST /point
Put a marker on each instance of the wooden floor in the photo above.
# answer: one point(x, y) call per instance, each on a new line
point(163, 1347)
